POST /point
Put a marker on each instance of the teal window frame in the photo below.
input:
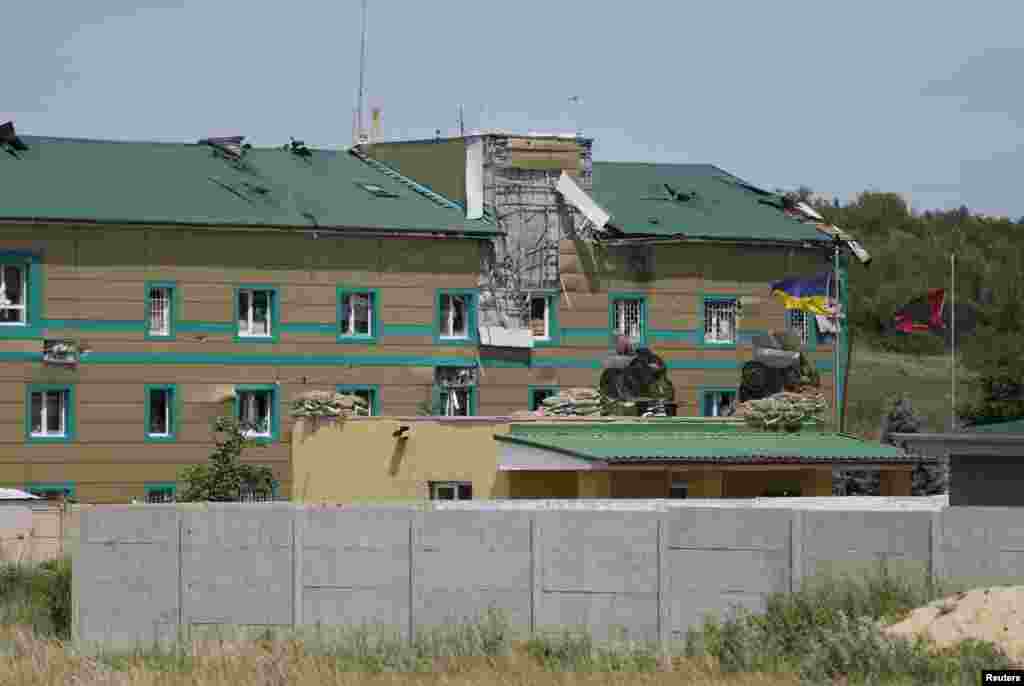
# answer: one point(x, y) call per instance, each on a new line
point(33, 326)
point(157, 486)
point(275, 410)
point(472, 331)
point(374, 390)
point(702, 396)
point(375, 324)
point(69, 413)
point(554, 332)
point(41, 488)
point(532, 404)
point(172, 318)
point(705, 298)
point(812, 330)
point(275, 313)
point(619, 296)
point(472, 398)
point(175, 411)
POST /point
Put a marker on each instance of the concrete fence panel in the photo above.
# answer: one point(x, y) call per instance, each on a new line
point(355, 567)
point(125, 581)
point(599, 570)
point(719, 559)
point(465, 563)
point(854, 543)
point(982, 546)
point(237, 565)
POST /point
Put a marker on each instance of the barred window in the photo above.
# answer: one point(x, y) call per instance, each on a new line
point(720, 321)
point(162, 494)
point(799, 322)
point(629, 319)
point(159, 311)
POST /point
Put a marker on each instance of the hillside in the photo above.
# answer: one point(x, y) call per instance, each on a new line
point(878, 375)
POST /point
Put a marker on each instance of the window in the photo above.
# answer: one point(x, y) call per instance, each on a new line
point(256, 410)
point(539, 393)
point(161, 493)
point(720, 320)
point(367, 393)
point(357, 314)
point(451, 490)
point(719, 403)
point(160, 413)
point(159, 310)
point(628, 319)
point(13, 294)
point(678, 489)
point(455, 402)
point(454, 316)
point(799, 322)
point(49, 410)
point(255, 313)
point(540, 317)
point(52, 491)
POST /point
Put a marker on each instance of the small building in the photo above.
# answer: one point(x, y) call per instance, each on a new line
point(985, 463)
point(380, 459)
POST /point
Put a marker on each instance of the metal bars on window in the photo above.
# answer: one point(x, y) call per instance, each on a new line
point(159, 311)
point(720, 321)
point(629, 319)
point(799, 323)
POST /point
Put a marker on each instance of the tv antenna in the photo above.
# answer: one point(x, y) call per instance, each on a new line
point(360, 128)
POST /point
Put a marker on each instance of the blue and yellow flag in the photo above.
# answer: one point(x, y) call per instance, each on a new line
point(808, 294)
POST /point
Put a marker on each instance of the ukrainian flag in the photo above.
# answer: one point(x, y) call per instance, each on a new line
point(808, 294)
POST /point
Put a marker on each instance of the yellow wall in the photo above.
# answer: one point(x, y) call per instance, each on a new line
point(359, 459)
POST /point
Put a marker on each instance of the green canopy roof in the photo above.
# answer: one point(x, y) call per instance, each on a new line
point(693, 201)
point(194, 184)
point(675, 442)
point(1010, 426)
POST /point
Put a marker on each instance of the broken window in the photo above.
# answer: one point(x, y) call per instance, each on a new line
point(255, 312)
point(356, 314)
point(455, 387)
point(255, 411)
point(160, 311)
point(720, 320)
point(799, 322)
point(629, 314)
point(537, 396)
point(160, 409)
point(13, 298)
point(540, 317)
point(719, 403)
point(49, 414)
point(451, 490)
point(454, 316)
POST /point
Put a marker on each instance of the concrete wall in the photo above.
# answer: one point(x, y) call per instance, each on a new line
point(145, 572)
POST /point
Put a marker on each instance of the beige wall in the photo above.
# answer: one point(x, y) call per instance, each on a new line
point(37, 533)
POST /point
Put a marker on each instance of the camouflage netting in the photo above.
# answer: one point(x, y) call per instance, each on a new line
point(786, 410)
point(327, 404)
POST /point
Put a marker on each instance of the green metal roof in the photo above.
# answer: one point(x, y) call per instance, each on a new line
point(1012, 426)
point(179, 183)
point(712, 204)
point(675, 442)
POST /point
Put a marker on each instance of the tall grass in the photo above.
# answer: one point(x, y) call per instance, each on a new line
point(832, 629)
point(37, 595)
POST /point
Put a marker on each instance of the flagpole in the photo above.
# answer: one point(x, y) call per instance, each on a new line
point(835, 345)
point(952, 326)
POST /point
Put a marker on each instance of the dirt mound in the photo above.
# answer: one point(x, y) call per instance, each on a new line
point(986, 614)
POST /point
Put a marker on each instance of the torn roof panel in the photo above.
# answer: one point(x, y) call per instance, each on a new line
point(191, 184)
point(692, 201)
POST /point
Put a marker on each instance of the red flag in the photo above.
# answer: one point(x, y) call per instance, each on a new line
point(921, 316)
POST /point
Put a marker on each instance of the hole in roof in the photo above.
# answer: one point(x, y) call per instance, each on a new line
point(376, 190)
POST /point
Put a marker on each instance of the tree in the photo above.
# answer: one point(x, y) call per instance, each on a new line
point(224, 477)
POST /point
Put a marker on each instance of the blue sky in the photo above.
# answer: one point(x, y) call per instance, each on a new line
point(915, 97)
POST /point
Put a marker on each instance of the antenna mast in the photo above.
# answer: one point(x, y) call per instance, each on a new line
point(360, 129)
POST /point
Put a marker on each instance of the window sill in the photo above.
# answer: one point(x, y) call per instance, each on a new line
point(160, 438)
point(34, 438)
point(243, 338)
point(357, 338)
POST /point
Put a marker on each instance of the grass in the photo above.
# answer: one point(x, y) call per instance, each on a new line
point(876, 376)
point(827, 632)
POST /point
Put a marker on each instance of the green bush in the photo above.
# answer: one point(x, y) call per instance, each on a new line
point(832, 629)
point(577, 652)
